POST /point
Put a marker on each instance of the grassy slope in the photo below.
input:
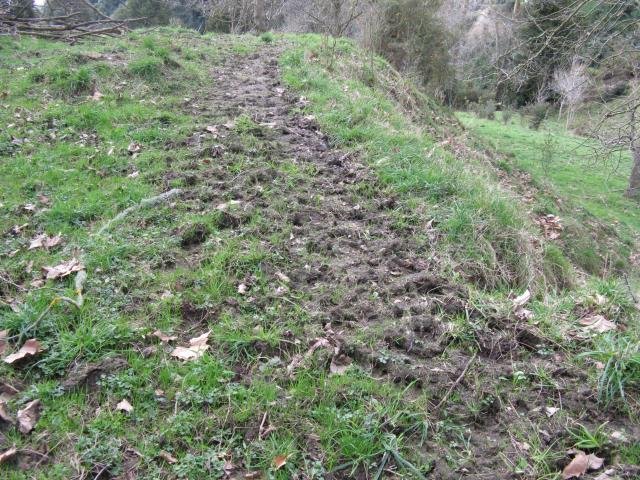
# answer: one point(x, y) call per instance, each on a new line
point(77, 157)
point(591, 191)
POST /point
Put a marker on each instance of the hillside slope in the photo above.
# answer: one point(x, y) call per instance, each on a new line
point(294, 270)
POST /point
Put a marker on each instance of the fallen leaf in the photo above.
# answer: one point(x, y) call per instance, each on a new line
point(8, 455)
point(44, 199)
point(134, 147)
point(242, 289)
point(224, 206)
point(606, 475)
point(163, 337)
point(595, 463)
point(551, 226)
point(597, 324)
point(5, 415)
point(282, 277)
point(167, 457)
point(577, 467)
point(45, 241)
point(551, 411)
point(279, 461)
point(521, 300)
point(63, 270)
point(253, 475)
point(134, 174)
point(29, 207)
point(30, 348)
point(197, 347)
point(28, 416)
point(124, 406)
point(96, 95)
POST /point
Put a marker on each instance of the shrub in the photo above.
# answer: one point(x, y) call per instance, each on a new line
point(506, 116)
point(538, 114)
point(488, 110)
point(267, 37)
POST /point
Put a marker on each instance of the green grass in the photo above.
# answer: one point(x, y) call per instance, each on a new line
point(485, 232)
point(176, 268)
point(585, 191)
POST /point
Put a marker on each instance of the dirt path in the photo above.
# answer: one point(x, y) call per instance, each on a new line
point(374, 281)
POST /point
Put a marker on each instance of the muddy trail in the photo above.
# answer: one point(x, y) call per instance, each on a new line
point(372, 288)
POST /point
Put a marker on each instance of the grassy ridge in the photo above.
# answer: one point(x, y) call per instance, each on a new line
point(484, 230)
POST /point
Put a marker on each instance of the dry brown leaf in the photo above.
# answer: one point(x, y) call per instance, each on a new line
point(551, 226)
point(597, 324)
point(134, 174)
point(577, 467)
point(45, 241)
point(44, 199)
point(64, 269)
point(124, 406)
point(253, 475)
point(197, 347)
point(96, 95)
point(4, 334)
point(5, 415)
point(30, 348)
point(29, 207)
point(8, 455)
point(167, 457)
point(163, 337)
point(242, 289)
point(28, 416)
point(279, 461)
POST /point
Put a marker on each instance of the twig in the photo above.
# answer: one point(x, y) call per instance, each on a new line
point(456, 383)
point(147, 202)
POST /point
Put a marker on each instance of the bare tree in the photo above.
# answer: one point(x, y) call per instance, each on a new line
point(571, 84)
point(601, 32)
point(259, 16)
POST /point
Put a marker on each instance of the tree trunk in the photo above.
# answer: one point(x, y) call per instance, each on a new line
point(634, 179)
point(259, 16)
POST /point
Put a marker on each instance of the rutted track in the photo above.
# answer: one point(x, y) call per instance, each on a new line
point(366, 276)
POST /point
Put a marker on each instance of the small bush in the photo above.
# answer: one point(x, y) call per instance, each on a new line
point(538, 114)
point(506, 116)
point(267, 37)
point(147, 67)
point(488, 110)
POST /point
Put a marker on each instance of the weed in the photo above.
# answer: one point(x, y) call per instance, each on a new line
point(620, 357)
point(585, 439)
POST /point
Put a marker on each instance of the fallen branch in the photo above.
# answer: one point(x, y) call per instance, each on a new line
point(147, 202)
point(64, 27)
